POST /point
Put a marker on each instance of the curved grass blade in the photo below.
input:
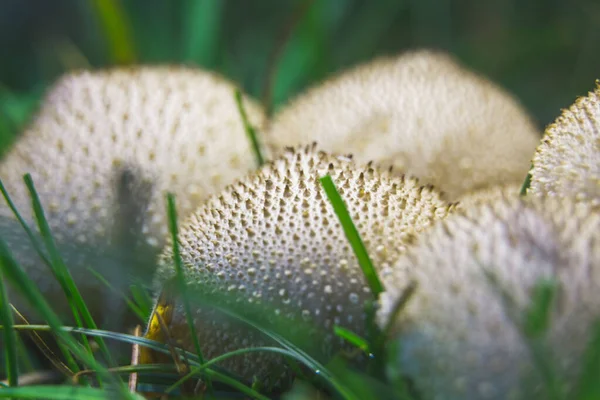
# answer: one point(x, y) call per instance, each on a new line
point(61, 271)
point(201, 30)
point(13, 271)
point(589, 382)
point(225, 356)
point(533, 326)
point(250, 130)
point(10, 347)
point(117, 29)
point(352, 235)
point(526, 183)
point(136, 310)
point(352, 338)
point(60, 392)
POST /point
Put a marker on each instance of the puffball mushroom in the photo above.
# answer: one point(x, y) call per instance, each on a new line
point(273, 239)
point(421, 112)
point(457, 339)
point(567, 162)
point(496, 192)
point(104, 150)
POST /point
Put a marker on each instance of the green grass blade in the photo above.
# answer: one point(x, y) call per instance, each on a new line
point(533, 325)
point(252, 134)
point(60, 392)
point(156, 346)
point(136, 310)
point(142, 299)
point(32, 238)
point(297, 353)
point(10, 346)
point(21, 281)
point(225, 356)
point(589, 381)
point(351, 338)
point(172, 214)
point(352, 235)
point(537, 316)
point(202, 21)
point(526, 183)
point(117, 29)
point(65, 278)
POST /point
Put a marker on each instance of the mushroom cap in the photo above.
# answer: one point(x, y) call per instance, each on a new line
point(107, 145)
point(457, 339)
point(497, 192)
point(273, 239)
point(421, 112)
point(567, 161)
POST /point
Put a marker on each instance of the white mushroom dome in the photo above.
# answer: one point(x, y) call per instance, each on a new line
point(460, 337)
point(421, 112)
point(274, 239)
point(105, 148)
point(567, 162)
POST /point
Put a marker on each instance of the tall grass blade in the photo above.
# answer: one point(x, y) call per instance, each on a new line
point(10, 345)
point(61, 271)
point(352, 338)
point(526, 183)
point(250, 130)
point(117, 29)
point(172, 214)
point(202, 21)
point(61, 392)
point(134, 307)
point(21, 281)
point(533, 325)
point(589, 382)
point(352, 235)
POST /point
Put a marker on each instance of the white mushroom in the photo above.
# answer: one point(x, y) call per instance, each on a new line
point(103, 151)
point(456, 335)
point(273, 239)
point(421, 112)
point(567, 162)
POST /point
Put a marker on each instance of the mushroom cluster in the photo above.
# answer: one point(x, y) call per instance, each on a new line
point(103, 151)
point(273, 238)
point(421, 112)
point(107, 146)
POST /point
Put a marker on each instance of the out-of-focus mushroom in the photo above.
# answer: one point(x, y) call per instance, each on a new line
point(274, 239)
point(497, 192)
point(421, 112)
point(459, 336)
point(103, 151)
point(567, 162)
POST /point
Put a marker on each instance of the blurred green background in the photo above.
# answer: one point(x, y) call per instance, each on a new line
point(546, 52)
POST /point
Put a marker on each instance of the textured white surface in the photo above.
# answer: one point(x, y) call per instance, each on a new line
point(107, 146)
point(273, 239)
point(457, 339)
point(421, 112)
point(567, 162)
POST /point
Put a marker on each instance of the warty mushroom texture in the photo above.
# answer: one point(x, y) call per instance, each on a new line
point(104, 150)
point(567, 161)
point(273, 239)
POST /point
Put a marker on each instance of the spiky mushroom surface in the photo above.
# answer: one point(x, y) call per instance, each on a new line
point(421, 112)
point(107, 145)
point(567, 162)
point(457, 339)
point(273, 239)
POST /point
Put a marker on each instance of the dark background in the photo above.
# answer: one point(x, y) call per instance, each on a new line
point(546, 52)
